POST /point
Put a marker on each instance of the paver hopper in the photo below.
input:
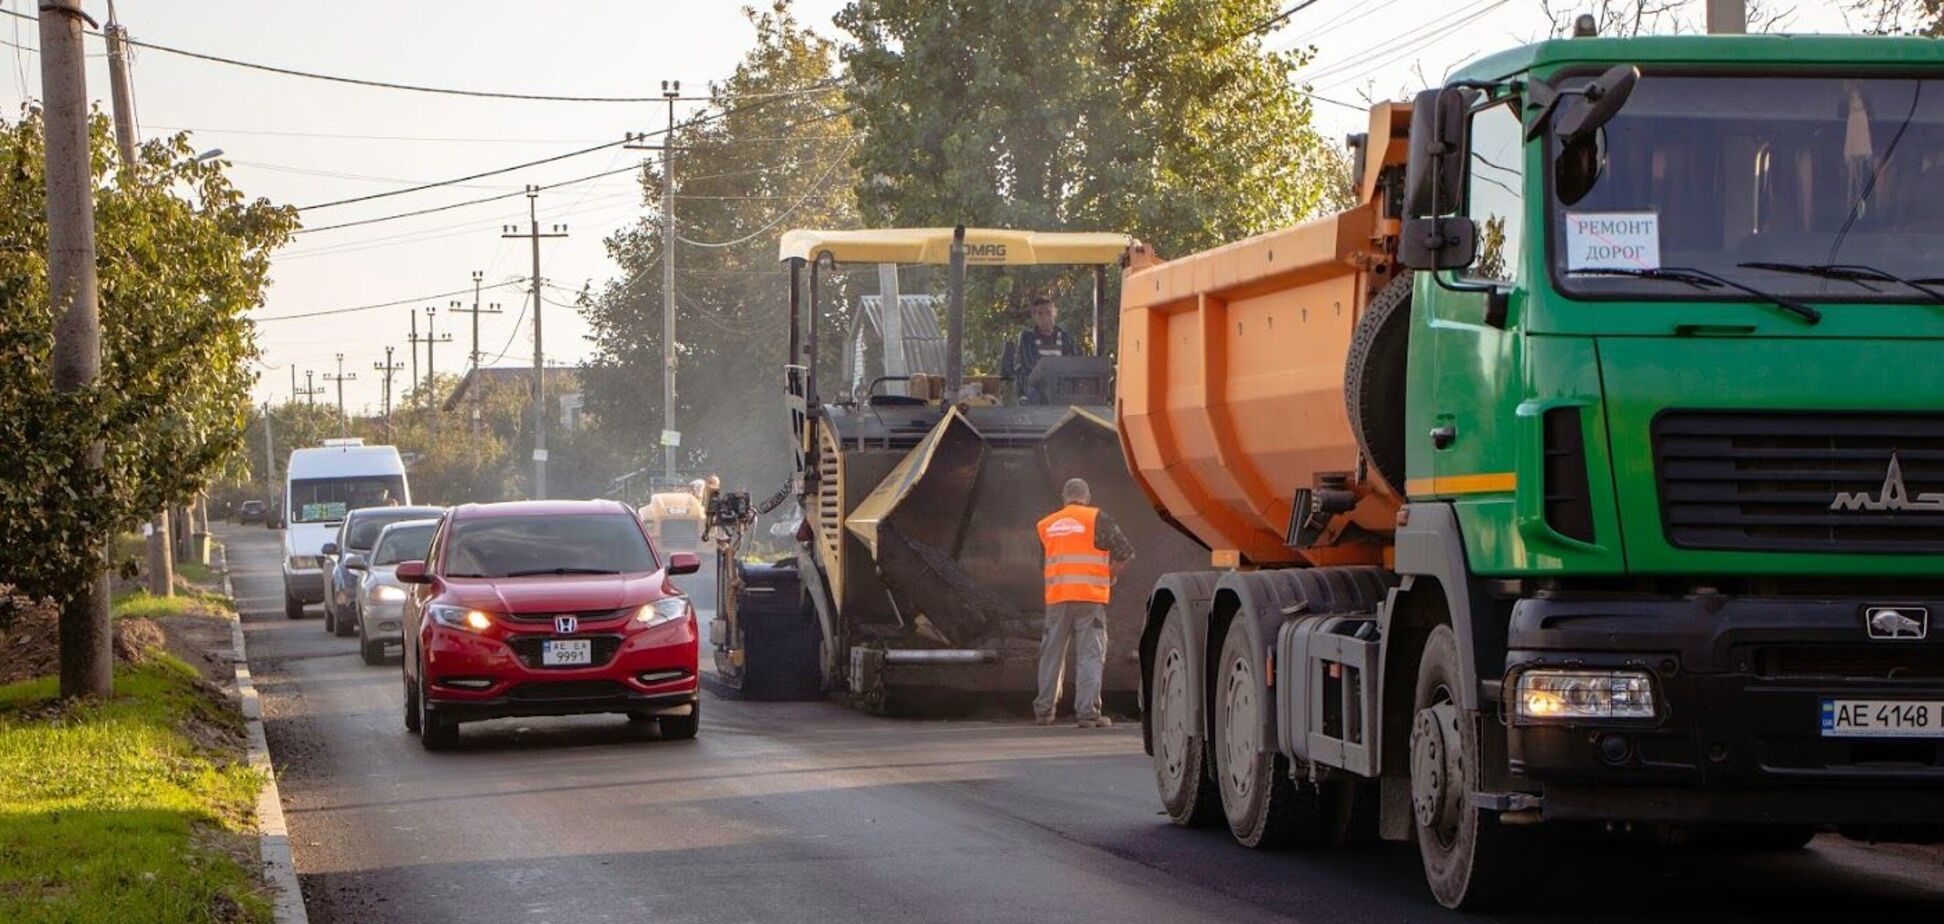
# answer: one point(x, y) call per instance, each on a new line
point(919, 566)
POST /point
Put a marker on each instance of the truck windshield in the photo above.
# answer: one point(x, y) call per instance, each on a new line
point(1828, 188)
point(327, 500)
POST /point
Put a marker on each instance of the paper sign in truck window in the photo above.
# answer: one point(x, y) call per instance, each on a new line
point(1612, 240)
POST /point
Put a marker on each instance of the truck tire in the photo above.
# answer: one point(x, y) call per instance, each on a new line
point(1374, 379)
point(1265, 805)
point(1470, 860)
point(1181, 765)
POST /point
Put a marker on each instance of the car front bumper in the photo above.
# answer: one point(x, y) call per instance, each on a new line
point(478, 676)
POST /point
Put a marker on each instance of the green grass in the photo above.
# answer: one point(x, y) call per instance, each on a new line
point(199, 573)
point(112, 812)
point(191, 602)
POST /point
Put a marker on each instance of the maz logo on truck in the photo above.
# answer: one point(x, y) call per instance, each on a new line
point(1893, 496)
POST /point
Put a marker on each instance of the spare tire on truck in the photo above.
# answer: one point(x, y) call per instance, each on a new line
point(1373, 379)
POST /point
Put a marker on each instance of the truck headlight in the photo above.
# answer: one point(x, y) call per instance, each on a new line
point(667, 609)
point(385, 593)
point(1580, 694)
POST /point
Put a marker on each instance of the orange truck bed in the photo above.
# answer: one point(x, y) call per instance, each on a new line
point(1231, 370)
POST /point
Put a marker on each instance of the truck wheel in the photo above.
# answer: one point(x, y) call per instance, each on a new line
point(1373, 379)
point(1180, 755)
point(1469, 858)
point(1265, 805)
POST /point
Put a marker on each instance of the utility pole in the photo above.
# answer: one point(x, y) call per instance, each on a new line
point(389, 368)
point(269, 454)
point(431, 385)
point(344, 423)
point(1727, 17)
point(413, 340)
point(477, 386)
point(311, 391)
point(671, 434)
point(533, 234)
point(161, 557)
point(87, 659)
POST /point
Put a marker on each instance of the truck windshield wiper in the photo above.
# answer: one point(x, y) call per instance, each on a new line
point(535, 571)
point(1857, 273)
point(1702, 279)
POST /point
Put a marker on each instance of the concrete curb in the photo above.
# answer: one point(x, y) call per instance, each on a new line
point(273, 838)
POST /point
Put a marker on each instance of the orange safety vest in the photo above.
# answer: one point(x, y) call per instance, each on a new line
point(1076, 572)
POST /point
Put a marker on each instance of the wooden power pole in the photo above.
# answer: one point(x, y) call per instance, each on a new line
point(87, 656)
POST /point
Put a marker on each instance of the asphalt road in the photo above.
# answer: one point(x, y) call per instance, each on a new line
point(808, 811)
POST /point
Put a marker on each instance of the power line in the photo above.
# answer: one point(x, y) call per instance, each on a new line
point(1266, 24)
point(403, 301)
point(818, 184)
point(457, 205)
point(419, 88)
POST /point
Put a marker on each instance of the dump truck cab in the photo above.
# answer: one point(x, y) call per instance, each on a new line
point(1629, 510)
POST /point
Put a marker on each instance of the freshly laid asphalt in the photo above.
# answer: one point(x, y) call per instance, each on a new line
point(813, 812)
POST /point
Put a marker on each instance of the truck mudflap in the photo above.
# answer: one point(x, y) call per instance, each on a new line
point(1741, 687)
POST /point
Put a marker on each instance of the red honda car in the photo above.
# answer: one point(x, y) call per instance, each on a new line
point(547, 608)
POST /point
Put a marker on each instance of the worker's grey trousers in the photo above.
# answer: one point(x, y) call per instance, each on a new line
point(1085, 624)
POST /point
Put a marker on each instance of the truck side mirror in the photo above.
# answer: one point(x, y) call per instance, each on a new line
point(1598, 103)
point(1434, 176)
point(1434, 181)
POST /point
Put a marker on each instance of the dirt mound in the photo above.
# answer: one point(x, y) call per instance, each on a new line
point(30, 646)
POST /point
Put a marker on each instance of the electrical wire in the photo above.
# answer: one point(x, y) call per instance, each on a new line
point(419, 88)
point(818, 184)
point(456, 205)
point(403, 301)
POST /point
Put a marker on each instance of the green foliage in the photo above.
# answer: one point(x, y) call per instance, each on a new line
point(1160, 118)
point(115, 811)
point(182, 256)
point(770, 165)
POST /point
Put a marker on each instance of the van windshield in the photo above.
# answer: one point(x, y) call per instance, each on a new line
point(327, 500)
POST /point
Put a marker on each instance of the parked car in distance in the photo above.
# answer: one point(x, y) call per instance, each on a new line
point(252, 511)
point(539, 608)
point(381, 595)
point(355, 537)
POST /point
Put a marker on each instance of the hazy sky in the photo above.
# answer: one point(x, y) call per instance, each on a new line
point(301, 141)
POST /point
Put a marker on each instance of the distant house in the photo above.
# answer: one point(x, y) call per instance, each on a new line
point(563, 384)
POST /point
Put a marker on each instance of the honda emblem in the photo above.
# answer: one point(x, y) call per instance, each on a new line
point(566, 625)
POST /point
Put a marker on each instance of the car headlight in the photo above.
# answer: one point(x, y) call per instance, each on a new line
point(385, 593)
point(459, 617)
point(665, 610)
point(1578, 694)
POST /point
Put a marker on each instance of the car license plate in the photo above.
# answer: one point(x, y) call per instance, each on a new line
point(1882, 718)
point(566, 652)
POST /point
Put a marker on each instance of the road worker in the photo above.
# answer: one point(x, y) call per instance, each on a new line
point(1085, 552)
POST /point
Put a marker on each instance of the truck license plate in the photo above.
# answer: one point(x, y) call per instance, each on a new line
point(1882, 718)
point(566, 652)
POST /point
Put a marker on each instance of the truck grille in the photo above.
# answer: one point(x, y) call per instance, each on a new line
point(1881, 662)
point(1802, 482)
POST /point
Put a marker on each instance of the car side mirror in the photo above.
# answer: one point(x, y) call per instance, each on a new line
point(355, 562)
point(412, 572)
point(330, 548)
point(684, 563)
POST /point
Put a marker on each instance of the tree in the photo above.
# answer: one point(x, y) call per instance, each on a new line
point(776, 158)
point(1900, 17)
point(182, 256)
point(1166, 119)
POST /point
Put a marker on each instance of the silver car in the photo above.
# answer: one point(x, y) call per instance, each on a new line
point(381, 596)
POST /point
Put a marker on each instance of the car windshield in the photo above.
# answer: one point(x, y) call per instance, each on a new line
point(1789, 184)
point(365, 527)
point(516, 546)
point(403, 543)
point(327, 500)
